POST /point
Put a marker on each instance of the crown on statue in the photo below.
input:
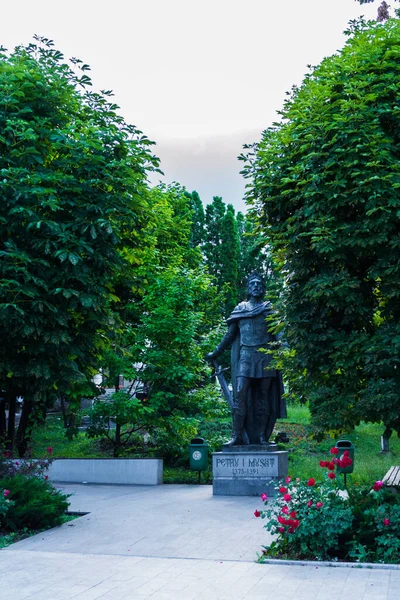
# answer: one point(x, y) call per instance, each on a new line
point(254, 275)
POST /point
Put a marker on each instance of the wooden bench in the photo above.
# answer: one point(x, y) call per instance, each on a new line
point(392, 477)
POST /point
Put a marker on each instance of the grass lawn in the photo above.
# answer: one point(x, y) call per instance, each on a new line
point(304, 453)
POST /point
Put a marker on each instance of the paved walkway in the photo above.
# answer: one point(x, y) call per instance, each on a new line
point(170, 542)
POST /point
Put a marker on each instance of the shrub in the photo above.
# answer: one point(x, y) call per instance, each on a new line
point(36, 504)
point(5, 505)
point(308, 518)
point(319, 520)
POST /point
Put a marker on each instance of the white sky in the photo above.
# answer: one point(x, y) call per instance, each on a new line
point(199, 78)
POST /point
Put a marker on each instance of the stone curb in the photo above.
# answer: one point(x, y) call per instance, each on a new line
point(317, 563)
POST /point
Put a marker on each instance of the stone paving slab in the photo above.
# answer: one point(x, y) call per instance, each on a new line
point(39, 575)
point(181, 521)
point(170, 543)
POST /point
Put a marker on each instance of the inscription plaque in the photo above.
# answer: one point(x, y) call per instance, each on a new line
point(248, 473)
point(245, 466)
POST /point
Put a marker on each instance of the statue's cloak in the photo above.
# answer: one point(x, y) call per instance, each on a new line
point(277, 404)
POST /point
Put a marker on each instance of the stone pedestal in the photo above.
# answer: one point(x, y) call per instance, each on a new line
point(248, 470)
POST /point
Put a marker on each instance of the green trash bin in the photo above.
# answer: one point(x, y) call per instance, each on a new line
point(198, 454)
point(343, 445)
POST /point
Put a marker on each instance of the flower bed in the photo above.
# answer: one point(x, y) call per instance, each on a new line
point(322, 520)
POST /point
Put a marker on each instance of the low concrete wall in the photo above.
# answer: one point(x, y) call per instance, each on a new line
point(128, 471)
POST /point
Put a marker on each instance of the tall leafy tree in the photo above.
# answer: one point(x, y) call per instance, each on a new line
point(164, 340)
point(254, 255)
point(229, 256)
point(325, 188)
point(215, 213)
point(73, 183)
point(197, 237)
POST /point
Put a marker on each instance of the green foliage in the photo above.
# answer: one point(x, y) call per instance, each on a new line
point(169, 345)
point(36, 503)
point(168, 318)
point(73, 185)
point(325, 189)
point(116, 419)
point(375, 533)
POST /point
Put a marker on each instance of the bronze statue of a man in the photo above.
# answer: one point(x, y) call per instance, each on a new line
point(257, 390)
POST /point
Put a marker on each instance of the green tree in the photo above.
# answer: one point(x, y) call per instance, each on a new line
point(215, 213)
point(254, 255)
point(325, 188)
point(73, 183)
point(230, 256)
point(165, 337)
point(197, 237)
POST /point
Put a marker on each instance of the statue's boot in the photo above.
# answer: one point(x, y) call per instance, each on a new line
point(270, 424)
point(263, 438)
point(238, 425)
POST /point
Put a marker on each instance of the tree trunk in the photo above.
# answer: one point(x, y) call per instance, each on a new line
point(24, 433)
point(3, 424)
point(117, 444)
point(64, 411)
point(12, 399)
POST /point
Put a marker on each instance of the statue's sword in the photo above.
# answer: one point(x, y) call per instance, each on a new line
point(219, 372)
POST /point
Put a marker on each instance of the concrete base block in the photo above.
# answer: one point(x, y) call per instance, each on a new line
point(125, 471)
point(248, 472)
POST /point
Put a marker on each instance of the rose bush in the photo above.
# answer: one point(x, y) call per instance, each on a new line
point(321, 520)
point(5, 505)
point(29, 467)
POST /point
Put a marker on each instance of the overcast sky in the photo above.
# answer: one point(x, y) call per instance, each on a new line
point(199, 78)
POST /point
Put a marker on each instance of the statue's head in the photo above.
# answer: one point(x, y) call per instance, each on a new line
point(255, 284)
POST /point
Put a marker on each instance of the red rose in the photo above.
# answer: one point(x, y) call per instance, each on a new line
point(311, 482)
point(331, 475)
point(6, 493)
point(283, 490)
point(282, 520)
point(257, 513)
point(346, 453)
point(309, 503)
point(49, 449)
point(323, 463)
point(288, 479)
point(287, 497)
point(331, 466)
point(386, 522)
point(293, 514)
point(281, 529)
point(334, 450)
point(264, 497)
point(295, 523)
point(319, 505)
point(377, 485)
point(285, 510)
point(291, 530)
